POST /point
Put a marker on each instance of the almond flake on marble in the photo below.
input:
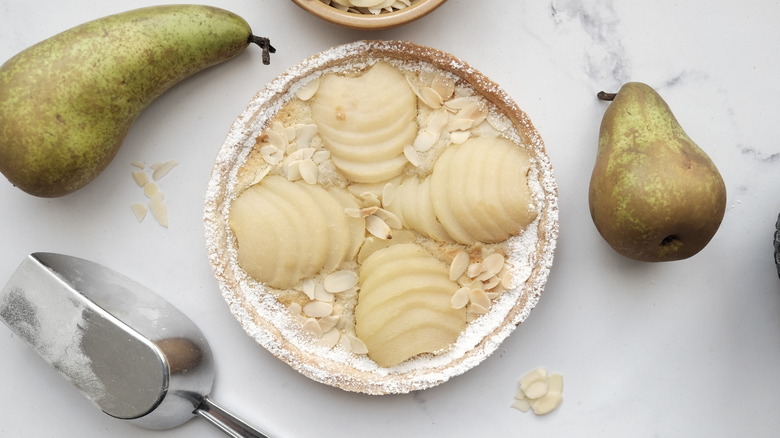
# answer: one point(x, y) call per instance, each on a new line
point(459, 265)
point(535, 389)
point(309, 90)
point(318, 309)
point(521, 404)
point(378, 227)
point(139, 210)
point(162, 169)
point(460, 298)
point(340, 281)
point(138, 164)
point(159, 209)
point(141, 178)
point(547, 403)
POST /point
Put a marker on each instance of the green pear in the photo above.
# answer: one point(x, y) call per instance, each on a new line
point(654, 194)
point(67, 103)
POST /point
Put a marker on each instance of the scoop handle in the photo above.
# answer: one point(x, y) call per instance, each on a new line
point(225, 421)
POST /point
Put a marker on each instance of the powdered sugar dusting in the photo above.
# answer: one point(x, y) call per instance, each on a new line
point(265, 318)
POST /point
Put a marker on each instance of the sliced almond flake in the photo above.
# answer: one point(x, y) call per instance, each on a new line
point(479, 297)
point(460, 298)
point(411, 154)
point(555, 382)
point(309, 171)
point(294, 309)
point(414, 87)
point(431, 98)
point(320, 294)
point(459, 264)
point(302, 154)
point(159, 210)
point(475, 269)
point(459, 137)
point(340, 281)
point(139, 210)
point(261, 173)
point(141, 178)
point(308, 287)
point(138, 164)
point(354, 212)
point(389, 217)
point(492, 295)
point(150, 189)
point(272, 154)
point(330, 338)
point(437, 121)
point(389, 192)
point(458, 103)
point(309, 90)
point(312, 326)
point(292, 171)
point(320, 157)
point(358, 347)
point(378, 227)
point(277, 139)
point(367, 211)
point(491, 282)
point(443, 85)
point(163, 168)
point(477, 309)
point(521, 404)
point(506, 280)
point(370, 199)
point(424, 141)
point(318, 309)
point(547, 403)
point(535, 374)
point(475, 110)
point(366, 3)
point(304, 132)
point(535, 389)
point(493, 264)
point(328, 323)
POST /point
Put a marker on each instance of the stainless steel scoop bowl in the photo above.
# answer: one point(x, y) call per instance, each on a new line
point(124, 347)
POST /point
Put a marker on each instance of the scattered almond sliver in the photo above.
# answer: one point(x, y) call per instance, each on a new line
point(539, 391)
point(151, 190)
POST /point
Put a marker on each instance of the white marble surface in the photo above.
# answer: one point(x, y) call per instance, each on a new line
point(689, 348)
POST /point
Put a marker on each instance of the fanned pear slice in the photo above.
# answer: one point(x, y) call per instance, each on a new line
point(287, 231)
point(366, 120)
point(403, 307)
point(493, 210)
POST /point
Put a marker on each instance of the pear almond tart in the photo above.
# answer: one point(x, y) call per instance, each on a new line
point(381, 217)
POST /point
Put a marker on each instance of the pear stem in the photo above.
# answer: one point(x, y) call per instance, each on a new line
point(265, 44)
point(603, 95)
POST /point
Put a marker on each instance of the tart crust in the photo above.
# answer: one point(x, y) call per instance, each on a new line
point(267, 320)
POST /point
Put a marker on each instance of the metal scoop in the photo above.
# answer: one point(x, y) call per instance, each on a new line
point(125, 348)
